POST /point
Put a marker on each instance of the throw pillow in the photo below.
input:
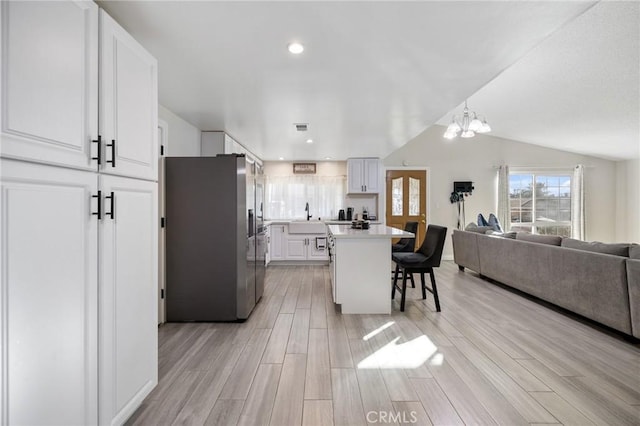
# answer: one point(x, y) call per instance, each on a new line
point(482, 221)
point(552, 240)
point(617, 249)
point(510, 234)
point(494, 222)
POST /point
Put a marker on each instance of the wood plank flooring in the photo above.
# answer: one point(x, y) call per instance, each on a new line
point(490, 357)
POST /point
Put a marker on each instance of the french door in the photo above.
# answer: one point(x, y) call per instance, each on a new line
point(407, 200)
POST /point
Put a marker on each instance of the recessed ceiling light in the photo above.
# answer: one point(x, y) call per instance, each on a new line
point(295, 48)
point(327, 158)
point(281, 158)
point(309, 140)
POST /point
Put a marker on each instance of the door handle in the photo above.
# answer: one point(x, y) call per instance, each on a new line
point(99, 156)
point(112, 145)
point(111, 213)
point(99, 212)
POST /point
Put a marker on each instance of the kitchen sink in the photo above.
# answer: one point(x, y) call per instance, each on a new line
point(307, 227)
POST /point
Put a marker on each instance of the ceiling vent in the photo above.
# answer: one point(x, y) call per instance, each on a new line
point(301, 127)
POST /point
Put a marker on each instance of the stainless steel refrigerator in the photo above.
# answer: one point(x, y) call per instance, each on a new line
point(215, 238)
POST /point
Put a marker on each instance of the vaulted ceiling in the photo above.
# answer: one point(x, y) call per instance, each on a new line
point(376, 74)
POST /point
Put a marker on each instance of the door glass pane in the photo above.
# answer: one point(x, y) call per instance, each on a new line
point(414, 196)
point(396, 197)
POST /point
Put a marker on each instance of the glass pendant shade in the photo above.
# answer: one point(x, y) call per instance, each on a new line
point(485, 127)
point(467, 134)
point(475, 124)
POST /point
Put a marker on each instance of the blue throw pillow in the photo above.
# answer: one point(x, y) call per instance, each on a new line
point(482, 221)
point(494, 223)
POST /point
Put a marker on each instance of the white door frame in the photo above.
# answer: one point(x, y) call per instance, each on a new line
point(163, 141)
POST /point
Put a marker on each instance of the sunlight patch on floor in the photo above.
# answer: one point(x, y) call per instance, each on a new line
point(408, 355)
point(378, 330)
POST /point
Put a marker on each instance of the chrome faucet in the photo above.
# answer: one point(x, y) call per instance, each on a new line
point(306, 209)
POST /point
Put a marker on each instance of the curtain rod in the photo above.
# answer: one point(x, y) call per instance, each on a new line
point(543, 168)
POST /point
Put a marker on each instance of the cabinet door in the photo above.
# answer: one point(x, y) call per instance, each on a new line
point(314, 253)
point(371, 175)
point(128, 296)
point(48, 307)
point(355, 173)
point(276, 244)
point(296, 247)
point(128, 103)
point(49, 82)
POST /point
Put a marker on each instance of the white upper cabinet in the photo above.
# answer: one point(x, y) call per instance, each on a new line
point(49, 76)
point(363, 175)
point(128, 104)
point(49, 285)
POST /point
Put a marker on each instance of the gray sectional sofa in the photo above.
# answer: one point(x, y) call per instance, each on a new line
point(585, 278)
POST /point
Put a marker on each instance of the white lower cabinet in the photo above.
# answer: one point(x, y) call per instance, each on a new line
point(276, 242)
point(304, 247)
point(296, 247)
point(78, 295)
point(128, 293)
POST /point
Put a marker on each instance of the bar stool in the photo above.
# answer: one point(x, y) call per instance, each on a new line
point(406, 245)
point(423, 261)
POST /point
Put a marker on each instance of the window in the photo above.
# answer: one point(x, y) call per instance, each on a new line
point(541, 202)
point(286, 196)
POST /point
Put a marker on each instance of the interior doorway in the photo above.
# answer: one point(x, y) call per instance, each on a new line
point(406, 200)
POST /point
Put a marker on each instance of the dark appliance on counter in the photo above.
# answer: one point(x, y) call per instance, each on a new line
point(215, 238)
point(349, 213)
point(341, 215)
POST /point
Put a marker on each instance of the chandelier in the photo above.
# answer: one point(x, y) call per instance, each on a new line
point(468, 125)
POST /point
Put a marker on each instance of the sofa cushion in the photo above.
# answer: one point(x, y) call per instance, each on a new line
point(634, 251)
point(552, 240)
point(617, 249)
point(472, 227)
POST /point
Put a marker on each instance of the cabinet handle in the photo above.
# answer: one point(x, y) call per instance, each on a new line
point(112, 145)
point(111, 213)
point(99, 156)
point(99, 212)
point(365, 188)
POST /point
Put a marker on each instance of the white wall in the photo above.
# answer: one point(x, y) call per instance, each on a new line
point(628, 200)
point(474, 160)
point(184, 138)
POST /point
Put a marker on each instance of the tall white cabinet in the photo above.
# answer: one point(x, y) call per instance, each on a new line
point(78, 216)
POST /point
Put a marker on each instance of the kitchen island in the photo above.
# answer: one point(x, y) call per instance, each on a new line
point(360, 266)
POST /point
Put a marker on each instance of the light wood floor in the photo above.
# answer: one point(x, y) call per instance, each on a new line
point(490, 357)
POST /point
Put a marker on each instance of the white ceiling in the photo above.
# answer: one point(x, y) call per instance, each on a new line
point(579, 90)
point(376, 74)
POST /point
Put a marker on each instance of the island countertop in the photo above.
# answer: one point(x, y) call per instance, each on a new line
point(374, 231)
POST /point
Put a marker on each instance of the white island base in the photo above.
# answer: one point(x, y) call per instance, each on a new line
point(361, 268)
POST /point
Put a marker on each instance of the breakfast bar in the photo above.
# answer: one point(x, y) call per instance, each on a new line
point(360, 266)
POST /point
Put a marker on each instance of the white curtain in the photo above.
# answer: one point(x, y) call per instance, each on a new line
point(577, 203)
point(286, 196)
point(503, 198)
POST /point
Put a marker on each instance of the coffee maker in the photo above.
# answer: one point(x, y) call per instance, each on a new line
point(349, 213)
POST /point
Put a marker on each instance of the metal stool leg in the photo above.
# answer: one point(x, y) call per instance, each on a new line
point(424, 287)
